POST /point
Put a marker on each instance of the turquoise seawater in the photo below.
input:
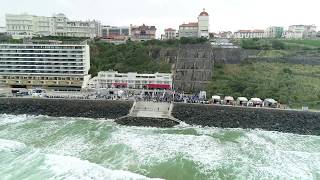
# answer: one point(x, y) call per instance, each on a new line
point(41, 147)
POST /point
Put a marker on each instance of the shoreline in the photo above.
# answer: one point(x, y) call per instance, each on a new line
point(288, 121)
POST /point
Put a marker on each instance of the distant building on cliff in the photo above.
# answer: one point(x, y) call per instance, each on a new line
point(223, 35)
point(301, 32)
point(274, 32)
point(116, 34)
point(196, 29)
point(3, 30)
point(242, 34)
point(25, 25)
point(188, 30)
point(47, 65)
point(143, 32)
point(169, 33)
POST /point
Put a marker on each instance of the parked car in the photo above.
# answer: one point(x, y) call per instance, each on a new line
point(38, 93)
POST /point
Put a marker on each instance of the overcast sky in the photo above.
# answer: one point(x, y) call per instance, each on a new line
point(224, 14)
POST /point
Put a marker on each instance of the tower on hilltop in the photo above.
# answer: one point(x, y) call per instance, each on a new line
point(203, 24)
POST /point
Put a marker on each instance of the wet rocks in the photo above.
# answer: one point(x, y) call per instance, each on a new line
point(66, 107)
point(146, 121)
point(298, 122)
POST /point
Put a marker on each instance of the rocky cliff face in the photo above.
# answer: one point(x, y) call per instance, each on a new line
point(193, 67)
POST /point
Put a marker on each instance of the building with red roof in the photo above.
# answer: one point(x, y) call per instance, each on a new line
point(196, 29)
point(143, 32)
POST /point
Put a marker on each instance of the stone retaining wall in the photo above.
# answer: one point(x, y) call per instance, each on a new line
point(69, 108)
point(298, 122)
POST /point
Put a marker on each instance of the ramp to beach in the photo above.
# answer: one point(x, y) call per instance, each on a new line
point(151, 109)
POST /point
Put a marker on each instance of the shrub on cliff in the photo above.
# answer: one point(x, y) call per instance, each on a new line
point(129, 57)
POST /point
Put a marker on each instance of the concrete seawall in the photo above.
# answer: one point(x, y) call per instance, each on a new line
point(249, 118)
point(69, 108)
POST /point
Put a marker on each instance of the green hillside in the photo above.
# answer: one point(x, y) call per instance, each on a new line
point(279, 44)
point(130, 57)
point(133, 56)
point(295, 85)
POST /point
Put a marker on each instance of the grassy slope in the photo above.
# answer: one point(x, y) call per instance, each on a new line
point(303, 43)
point(295, 85)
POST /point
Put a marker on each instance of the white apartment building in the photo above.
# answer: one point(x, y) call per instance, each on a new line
point(196, 29)
point(242, 34)
point(188, 30)
point(301, 32)
point(25, 25)
point(169, 33)
point(203, 24)
point(132, 80)
point(49, 66)
point(274, 32)
point(3, 30)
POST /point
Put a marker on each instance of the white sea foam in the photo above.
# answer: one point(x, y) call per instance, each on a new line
point(264, 154)
point(71, 168)
point(155, 148)
point(256, 151)
point(69, 146)
point(11, 119)
point(255, 154)
point(8, 145)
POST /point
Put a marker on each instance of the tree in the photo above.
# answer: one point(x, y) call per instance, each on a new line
point(278, 45)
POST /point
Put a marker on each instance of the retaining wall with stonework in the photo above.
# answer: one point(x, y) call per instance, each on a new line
point(298, 122)
point(62, 107)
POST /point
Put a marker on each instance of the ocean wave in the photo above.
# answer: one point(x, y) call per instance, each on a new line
point(31, 163)
point(9, 145)
point(65, 167)
point(157, 148)
point(11, 119)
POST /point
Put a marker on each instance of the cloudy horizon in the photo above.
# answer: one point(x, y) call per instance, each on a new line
point(228, 15)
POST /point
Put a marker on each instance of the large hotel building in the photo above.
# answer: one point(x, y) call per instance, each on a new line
point(50, 66)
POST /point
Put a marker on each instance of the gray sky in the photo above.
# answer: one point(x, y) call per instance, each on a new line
point(224, 14)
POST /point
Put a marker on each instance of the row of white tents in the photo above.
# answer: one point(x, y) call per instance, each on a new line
point(243, 101)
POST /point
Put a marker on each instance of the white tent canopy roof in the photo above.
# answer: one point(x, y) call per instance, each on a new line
point(256, 99)
point(271, 100)
point(242, 99)
point(229, 98)
point(216, 97)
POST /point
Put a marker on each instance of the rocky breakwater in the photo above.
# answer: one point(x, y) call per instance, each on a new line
point(146, 122)
point(298, 122)
point(65, 107)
